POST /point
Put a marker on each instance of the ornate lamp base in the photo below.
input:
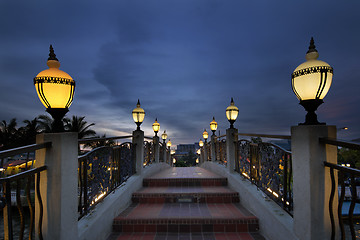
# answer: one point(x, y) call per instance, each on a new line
point(57, 114)
point(311, 106)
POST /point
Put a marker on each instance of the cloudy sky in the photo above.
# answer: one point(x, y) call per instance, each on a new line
point(183, 59)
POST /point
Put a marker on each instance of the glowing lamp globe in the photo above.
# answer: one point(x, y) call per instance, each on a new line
point(138, 115)
point(311, 82)
point(164, 136)
point(156, 127)
point(55, 89)
point(201, 143)
point(231, 113)
point(213, 125)
point(205, 135)
point(168, 144)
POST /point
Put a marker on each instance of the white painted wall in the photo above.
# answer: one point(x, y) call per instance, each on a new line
point(275, 223)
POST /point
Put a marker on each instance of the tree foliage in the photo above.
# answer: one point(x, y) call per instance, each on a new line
point(349, 156)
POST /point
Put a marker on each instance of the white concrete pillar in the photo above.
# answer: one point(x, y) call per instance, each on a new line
point(156, 148)
point(231, 141)
point(58, 186)
point(138, 140)
point(311, 181)
point(213, 145)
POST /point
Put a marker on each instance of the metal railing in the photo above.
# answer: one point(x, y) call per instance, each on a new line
point(24, 185)
point(269, 167)
point(101, 171)
point(149, 156)
point(346, 176)
point(220, 149)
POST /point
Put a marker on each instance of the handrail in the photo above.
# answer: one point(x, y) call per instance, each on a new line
point(343, 168)
point(220, 136)
point(344, 174)
point(86, 140)
point(23, 174)
point(149, 138)
point(265, 135)
point(340, 143)
point(28, 148)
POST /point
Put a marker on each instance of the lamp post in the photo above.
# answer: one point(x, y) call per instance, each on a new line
point(201, 144)
point(156, 128)
point(205, 136)
point(231, 136)
point(168, 144)
point(55, 89)
point(138, 115)
point(164, 136)
point(231, 113)
point(311, 82)
point(213, 127)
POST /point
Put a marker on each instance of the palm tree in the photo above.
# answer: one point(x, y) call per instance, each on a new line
point(30, 130)
point(8, 134)
point(77, 124)
point(45, 123)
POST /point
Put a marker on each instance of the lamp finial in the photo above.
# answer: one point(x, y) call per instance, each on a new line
point(52, 55)
point(312, 46)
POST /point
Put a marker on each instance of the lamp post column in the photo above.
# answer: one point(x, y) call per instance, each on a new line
point(138, 141)
point(311, 181)
point(205, 151)
point(231, 153)
point(58, 186)
point(169, 157)
point(156, 149)
point(213, 146)
point(164, 147)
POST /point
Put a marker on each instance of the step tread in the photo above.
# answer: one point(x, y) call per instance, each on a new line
point(184, 189)
point(185, 211)
point(187, 236)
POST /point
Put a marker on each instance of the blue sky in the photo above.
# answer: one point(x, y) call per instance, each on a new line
point(183, 59)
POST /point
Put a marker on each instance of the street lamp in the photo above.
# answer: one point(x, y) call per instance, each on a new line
point(138, 115)
point(205, 135)
point(55, 88)
point(201, 143)
point(213, 125)
point(311, 82)
point(164, 136)
point(231, 113)
point(156, 126)
point(168, 144)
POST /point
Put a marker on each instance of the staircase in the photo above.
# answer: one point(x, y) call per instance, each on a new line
point(185, 203)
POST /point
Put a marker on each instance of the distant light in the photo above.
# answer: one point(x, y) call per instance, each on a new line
point(164, 136)
point(205, 134)
point(168, 144)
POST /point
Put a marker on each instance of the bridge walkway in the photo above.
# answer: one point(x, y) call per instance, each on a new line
point(186, 203)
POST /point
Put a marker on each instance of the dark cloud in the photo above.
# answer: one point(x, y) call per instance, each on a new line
point(183, 59)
